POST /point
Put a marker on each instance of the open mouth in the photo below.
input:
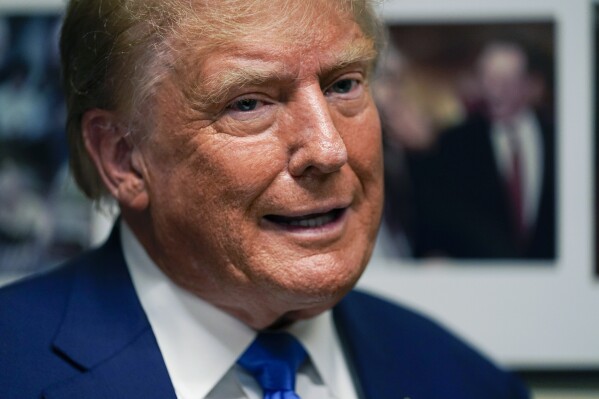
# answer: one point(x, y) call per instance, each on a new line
point(307, 221)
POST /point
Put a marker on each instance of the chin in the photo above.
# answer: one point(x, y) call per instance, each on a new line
point(323, 291)
point(328, 277)
point(303, 314)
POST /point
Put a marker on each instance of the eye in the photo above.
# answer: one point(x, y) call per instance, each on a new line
point(249, 107)
point(343, 86)
point(245, 105)
point(348, 93)
point(346, 88)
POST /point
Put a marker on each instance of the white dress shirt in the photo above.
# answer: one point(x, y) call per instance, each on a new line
point(200, 344)
point(525, 130)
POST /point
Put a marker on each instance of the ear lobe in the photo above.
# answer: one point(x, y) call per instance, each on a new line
point(113, 153)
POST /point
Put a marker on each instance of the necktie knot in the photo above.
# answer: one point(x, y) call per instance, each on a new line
point(273, 360)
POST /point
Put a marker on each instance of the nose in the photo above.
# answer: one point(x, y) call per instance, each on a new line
point(318, 147)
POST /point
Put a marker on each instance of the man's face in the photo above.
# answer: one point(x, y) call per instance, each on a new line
point(504, 83)
point(264, 171)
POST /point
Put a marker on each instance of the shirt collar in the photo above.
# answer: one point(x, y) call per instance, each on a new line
point(199, 342)
point(319, 338)
point(523, 119)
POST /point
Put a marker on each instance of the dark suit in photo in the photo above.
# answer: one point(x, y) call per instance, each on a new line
point(461, 205)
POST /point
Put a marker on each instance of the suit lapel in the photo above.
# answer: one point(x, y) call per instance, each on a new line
point(373, 375)
point(484, 174)
point(106, 334)
point(136, 371)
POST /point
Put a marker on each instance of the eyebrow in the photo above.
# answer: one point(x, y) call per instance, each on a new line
point(216, 88)
point(361, 51)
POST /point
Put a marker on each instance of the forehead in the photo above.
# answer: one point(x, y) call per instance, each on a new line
point(288, 44)
point(332, 47)
point(226, 20)
point(503, 61)
point(260, 26)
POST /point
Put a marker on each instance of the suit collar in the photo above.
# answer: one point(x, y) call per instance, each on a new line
point(369, 355)
point(106, 334)
point(103, 313)
point(351, 344)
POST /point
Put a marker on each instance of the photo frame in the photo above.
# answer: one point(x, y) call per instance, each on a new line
point(469, 132)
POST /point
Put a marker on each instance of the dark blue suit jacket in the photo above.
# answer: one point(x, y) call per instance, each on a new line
point(81, 333)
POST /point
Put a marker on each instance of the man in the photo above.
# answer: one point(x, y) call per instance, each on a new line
point(243, 148)
point(488, 189)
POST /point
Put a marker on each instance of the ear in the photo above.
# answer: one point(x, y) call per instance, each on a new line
point(117, 160)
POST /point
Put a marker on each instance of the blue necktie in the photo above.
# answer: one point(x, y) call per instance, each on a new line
point(273, 360)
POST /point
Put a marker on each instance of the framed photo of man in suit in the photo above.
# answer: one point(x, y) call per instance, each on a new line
point(469, 116)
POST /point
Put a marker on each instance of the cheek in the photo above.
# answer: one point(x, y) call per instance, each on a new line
point(364, 147)
point(362, 138)
point(238, 174)
point(215, 169)
point(208, 193)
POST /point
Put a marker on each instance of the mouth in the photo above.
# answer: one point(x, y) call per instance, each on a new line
point(309, 221)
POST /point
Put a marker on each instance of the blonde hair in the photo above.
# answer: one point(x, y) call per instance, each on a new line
point(115, 52)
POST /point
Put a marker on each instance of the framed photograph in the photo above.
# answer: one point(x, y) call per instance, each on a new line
point(469, 124)
point(526, 310)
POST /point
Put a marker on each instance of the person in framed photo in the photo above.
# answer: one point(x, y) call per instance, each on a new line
point(487, 188)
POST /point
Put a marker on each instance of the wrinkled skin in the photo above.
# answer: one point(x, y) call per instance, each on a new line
point(216, 190)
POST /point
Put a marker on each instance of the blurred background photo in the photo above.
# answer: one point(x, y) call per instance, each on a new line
point(43, 217)
point(468, 112)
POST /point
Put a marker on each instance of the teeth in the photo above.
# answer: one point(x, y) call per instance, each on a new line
point(313, 222)
point(308, 221)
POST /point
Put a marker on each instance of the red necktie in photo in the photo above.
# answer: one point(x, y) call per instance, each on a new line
point(515, 185)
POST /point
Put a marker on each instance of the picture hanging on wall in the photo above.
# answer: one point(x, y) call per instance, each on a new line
point(469, 122)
